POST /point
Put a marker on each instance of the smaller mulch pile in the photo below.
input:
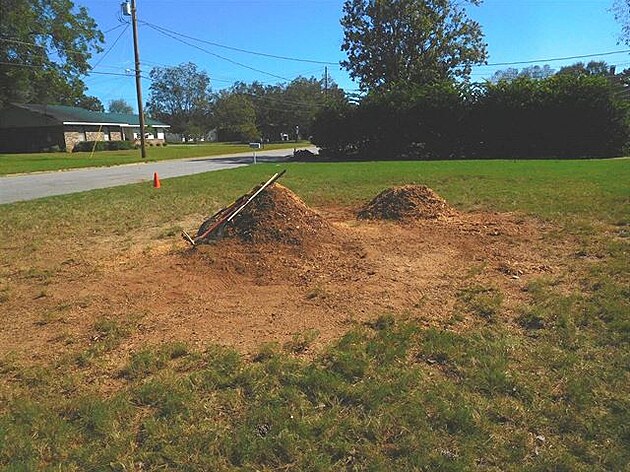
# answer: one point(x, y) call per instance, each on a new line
point(277, 215)
point(405, 203)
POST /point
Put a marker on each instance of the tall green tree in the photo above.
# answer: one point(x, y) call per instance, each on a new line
point(398, 43)
point(180, 96)
point(235, 117)
point(45, 48)
point(119, 105)
point(271, 113)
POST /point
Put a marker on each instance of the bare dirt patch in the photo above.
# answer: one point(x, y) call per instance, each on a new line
point(266, 282)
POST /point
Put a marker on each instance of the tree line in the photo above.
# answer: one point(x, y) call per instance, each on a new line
point(182, 97)
point(571, 113)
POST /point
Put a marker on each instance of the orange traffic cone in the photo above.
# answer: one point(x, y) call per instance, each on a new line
point(156, 180)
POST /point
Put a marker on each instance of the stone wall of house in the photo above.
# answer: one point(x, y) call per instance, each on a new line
point(94, 135)
point(76, 134)
point(71, 138)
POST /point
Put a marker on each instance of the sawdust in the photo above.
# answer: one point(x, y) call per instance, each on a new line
point(406, 202)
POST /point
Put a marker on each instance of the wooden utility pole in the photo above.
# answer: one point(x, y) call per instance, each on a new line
point(326, 82)
point(136, 51)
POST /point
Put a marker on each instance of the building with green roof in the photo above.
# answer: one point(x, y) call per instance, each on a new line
point(33, 128)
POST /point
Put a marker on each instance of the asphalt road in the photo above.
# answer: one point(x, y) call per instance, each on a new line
point(45, 184)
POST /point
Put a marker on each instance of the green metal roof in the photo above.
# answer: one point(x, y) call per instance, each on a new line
point(66, 114)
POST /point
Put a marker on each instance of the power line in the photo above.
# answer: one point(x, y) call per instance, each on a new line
point(246, 51)
point(112, 46)
point(280, 100)
point(582, 56)
point(117, 74)
point(107, 66)
point(171, 34)
point(216, 55)
point(225, 80)
point(15, 41)
point(116, 27)
point(287, 58)
point(232, 80)
point(44, 46)
point(166, 32)
point(17, 64)
point(277, 100)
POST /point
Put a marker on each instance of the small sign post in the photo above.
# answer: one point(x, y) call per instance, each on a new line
point(255, 147)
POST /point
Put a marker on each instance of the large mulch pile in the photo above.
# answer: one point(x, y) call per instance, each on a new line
point(405, 203)
point(277, 215)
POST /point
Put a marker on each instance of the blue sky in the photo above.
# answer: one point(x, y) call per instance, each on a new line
point(515, 30)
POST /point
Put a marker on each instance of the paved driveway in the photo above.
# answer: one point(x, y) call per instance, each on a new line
point(45, 184)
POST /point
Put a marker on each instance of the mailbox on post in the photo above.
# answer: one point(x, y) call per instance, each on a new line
point(255, 147)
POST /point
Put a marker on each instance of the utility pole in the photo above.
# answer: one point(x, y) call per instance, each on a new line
point(326, 83)
point(136, 51)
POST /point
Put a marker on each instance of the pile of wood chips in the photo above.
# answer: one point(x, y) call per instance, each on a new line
point(277, 215)
point(406, 203)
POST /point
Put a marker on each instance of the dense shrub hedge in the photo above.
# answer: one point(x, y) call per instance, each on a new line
point(561, 116)
point(87, 146)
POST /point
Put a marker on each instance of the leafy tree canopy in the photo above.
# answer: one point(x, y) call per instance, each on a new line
point(397, 43)
point(45, 46)
point(532, 72)
point(592, 68)
point(235, 117)
point(90, 103)
point(180, 96)
point(119, 105)
point(283, 107)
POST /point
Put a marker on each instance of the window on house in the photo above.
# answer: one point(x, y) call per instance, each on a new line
point(105, 131)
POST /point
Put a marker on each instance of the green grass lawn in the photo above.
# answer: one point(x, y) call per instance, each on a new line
point(547, 392)
point(572, 192)
point(19, 163)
